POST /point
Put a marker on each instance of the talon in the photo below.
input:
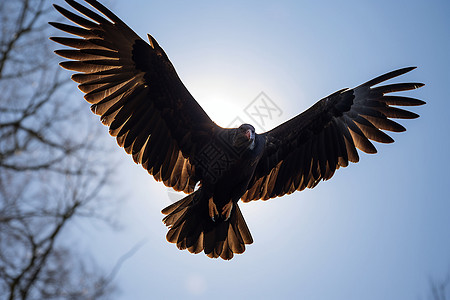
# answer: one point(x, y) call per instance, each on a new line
point(212, 208)
point(226, 210)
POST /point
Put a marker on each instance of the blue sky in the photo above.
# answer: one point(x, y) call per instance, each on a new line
point(379, 229)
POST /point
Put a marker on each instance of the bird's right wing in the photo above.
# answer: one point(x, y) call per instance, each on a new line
point(135, 89)
point(310, 147)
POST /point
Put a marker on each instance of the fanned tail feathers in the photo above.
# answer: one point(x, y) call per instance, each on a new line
point(191, 228)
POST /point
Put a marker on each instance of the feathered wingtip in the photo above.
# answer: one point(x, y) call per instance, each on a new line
point(398, 87)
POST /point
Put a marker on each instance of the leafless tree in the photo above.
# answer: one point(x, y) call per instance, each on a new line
point(50, 174)
point(440, 289)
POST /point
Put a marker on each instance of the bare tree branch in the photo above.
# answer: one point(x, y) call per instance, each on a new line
point(440, 289)
point(51, 172)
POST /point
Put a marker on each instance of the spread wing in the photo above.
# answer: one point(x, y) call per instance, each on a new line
point(313, 145)
point(135, 89)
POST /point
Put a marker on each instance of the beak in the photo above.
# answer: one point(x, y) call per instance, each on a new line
point(248, 134)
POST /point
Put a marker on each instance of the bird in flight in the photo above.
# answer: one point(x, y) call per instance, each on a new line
point(135, 89)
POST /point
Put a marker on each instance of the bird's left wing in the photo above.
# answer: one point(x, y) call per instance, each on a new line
point(135, 89)
point(311, 146)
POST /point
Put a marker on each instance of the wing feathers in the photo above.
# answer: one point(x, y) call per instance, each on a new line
point(371, 132)
point(397, 113)
point(87, 54)
point(403, 101)
point(311, 146)
point(388, 76)
point(385, 124)
point(101, 8)
point(397, 87)
point(136, 91)
point(360, 140)
point(87, 12)
point(81, 32)
point(75, 18)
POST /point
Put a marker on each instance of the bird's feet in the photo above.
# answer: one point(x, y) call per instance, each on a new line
point(212, 209)
point(214, 213)
point(226, 210)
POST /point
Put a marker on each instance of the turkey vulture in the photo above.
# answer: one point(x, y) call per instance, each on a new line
point(135, 89)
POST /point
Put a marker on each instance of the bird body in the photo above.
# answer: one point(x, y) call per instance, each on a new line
point(135, 89)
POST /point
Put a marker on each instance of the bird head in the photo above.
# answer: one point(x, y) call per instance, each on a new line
point(244, 136)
